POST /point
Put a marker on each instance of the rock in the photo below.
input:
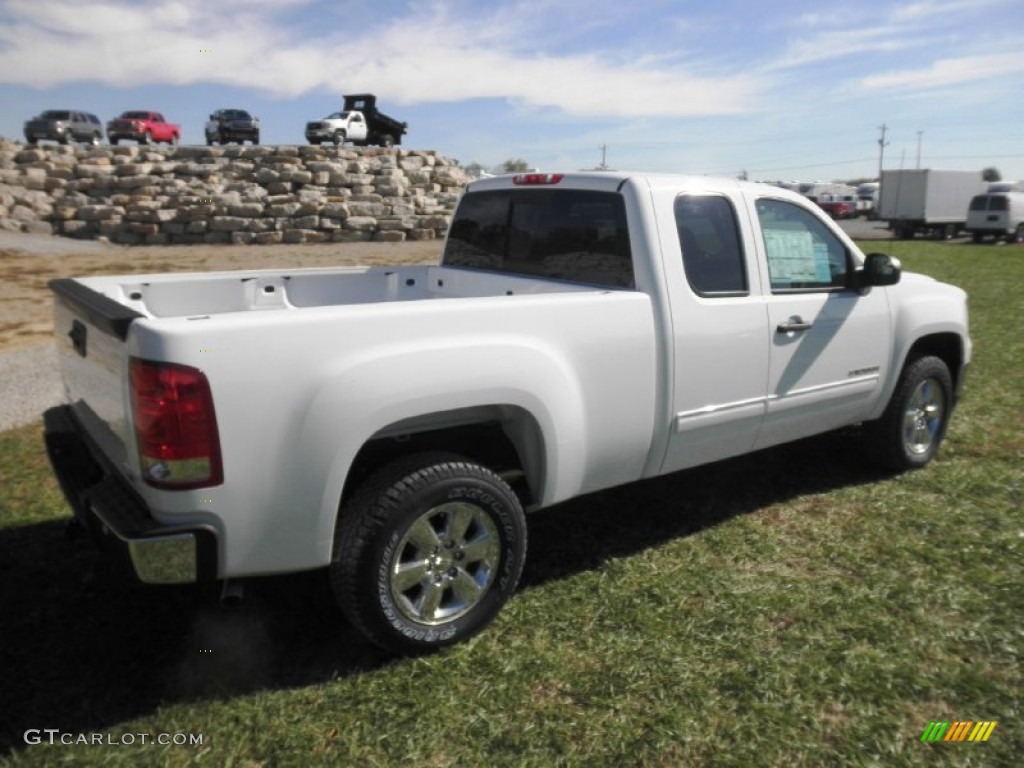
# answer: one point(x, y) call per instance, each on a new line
point(361, 223)
point(187, 195)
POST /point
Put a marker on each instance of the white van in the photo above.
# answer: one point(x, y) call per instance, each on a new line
point(1000, 214)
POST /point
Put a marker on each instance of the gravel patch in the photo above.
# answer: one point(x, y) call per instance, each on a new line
point(51, 245)
point(29, 384)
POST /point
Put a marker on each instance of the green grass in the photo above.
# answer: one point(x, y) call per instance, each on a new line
point(791, 608)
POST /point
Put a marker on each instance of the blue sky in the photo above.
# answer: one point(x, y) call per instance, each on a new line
point(784, 89)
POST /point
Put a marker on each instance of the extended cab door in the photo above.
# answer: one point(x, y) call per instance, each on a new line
point(829, 342)
point(356, 127)
point(719, 324)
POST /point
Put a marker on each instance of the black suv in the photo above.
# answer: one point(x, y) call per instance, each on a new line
point(64, 125)
point(228, 125)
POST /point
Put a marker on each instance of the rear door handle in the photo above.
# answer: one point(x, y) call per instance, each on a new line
point(793, 324)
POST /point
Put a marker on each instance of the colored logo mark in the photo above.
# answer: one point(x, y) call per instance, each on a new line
point(959, 730)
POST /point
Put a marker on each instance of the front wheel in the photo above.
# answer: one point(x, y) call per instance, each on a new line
point(174, 140)
point(146, 138)
point(427, 552)
point(908, 434)
point(1017, 236)
point(338, 138)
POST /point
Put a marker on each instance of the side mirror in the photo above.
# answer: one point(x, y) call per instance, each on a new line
point(880, 269)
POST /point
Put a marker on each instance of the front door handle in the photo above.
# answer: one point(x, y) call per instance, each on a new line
point(793, 324)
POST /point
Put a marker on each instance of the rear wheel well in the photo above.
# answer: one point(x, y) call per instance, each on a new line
point(945, 346)
point(487, 443)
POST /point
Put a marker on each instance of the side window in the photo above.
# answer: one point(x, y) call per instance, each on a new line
point(712, 251)
point(803, 254)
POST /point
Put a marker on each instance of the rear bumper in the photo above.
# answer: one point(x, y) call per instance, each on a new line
point(115, 515)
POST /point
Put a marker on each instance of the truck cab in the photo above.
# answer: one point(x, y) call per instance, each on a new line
point(337, 128)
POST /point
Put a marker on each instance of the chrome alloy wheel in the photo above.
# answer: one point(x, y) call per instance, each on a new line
point(445, 563)
point(923, 417)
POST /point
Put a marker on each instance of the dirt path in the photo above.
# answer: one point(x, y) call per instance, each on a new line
point(28, 262)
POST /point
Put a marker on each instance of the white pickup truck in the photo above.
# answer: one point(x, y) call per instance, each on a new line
point(392, 424)
point(337, 128)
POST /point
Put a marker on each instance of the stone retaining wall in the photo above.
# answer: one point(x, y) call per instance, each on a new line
point(261, 194)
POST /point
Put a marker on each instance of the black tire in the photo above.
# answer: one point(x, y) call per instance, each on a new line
point(146, 138)
point(338, 138)
point(173, 140)
point(460, 533)
point(315, 142)
point(209, 140)
point(63, 139)
point(114, 142)
point(34, 142)
point(387, 140)
point(909, 433)
point(96, 140)
point(977, 237)
point(1017, 236)
point(255, 139)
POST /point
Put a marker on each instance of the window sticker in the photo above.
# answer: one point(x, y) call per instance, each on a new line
point(821, 263)
point(792, 256)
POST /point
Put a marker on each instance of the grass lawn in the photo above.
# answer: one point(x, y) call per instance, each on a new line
point(790, 608)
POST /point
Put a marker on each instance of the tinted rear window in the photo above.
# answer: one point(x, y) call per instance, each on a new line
point(561, 234)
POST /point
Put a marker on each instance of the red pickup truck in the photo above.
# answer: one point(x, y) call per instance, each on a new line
point(143, 127)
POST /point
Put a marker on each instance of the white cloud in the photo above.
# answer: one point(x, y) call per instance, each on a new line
point(852, 30)
point(930, 10)
point(428, 56)
point(947, 72)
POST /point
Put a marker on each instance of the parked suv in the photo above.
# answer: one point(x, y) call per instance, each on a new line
point(227, 125)
point(64, 125)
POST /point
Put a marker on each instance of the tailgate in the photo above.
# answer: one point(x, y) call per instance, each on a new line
point(90, 330)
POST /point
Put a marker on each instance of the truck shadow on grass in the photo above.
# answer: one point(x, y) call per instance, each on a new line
point(83, 648)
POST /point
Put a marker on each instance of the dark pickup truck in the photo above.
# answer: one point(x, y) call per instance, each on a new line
point(227, 125)
point(383, 131)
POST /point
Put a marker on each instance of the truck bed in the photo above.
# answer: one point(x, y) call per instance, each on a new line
point(206, 294)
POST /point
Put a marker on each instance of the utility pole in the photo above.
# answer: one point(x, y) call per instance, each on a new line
point(882, 144)
point(919, 135)
point(604, 157)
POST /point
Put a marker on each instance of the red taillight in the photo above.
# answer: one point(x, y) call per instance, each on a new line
point(537, 178)
point(175, 425)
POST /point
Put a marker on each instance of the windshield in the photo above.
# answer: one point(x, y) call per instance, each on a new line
point(135, 116)
point(55, 114)
point(235, 114)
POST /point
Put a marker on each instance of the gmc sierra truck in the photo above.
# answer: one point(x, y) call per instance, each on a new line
point(393, 424)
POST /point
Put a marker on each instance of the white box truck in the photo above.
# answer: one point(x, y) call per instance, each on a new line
point(928, 201)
